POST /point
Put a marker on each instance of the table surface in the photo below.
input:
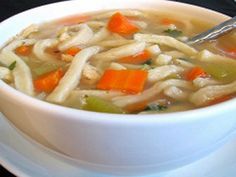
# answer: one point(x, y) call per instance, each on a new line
point(11, 7)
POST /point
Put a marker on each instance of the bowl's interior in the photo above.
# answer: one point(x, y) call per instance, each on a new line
point(11, 27)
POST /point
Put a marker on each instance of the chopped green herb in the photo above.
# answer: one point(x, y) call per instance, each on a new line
point(156, 107)
point(173, 33)
point(148, 62)
point(12, 65)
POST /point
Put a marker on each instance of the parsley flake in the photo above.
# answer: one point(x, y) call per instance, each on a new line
point(12, 65)
point(156, 107)
point(173, 33)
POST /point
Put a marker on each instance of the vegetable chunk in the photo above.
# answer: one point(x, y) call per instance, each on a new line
point(97, 104)
point(128, 81)
point(121, 25)
point(48, 82)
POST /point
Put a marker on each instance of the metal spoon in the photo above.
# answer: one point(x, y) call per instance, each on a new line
point(214, 33)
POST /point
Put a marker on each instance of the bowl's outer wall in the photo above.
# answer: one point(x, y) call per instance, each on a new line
point(134, 148)
point(148, 147)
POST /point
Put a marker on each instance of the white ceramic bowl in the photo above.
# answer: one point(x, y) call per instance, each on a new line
point(121, 144)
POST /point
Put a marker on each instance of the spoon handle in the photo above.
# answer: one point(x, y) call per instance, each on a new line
point(214, 32)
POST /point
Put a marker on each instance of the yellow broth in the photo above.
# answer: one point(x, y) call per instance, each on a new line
point(179, 27)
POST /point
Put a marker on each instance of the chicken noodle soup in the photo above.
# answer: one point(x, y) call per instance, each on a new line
point(123, 61)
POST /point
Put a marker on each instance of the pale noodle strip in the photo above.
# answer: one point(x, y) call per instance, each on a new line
point(162, 72)
point(116, 66)
point(207, 56)
point(200, 82)
point(72, 77)
point(5, 74)
point(40, 47)
point(21, 72)
point(81, 38)
point(96, 24)
point(154, 49)
point(129, 13)
point(102, 34)
point(163, 59)
point(77, 27)
point(78, 94)
point(119, 52)
point(132, 66)
point(29, 30)
point(183, 63)
point(115, 43)
point(17, 43)
point(183, 38)
point(176, 93)
point(166, 40)
point(209, 93)
point(148, 94)
point(175, 54)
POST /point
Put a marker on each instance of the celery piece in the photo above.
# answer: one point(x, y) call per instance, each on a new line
point(97, 104)
point(221, 71)
point(45, 69)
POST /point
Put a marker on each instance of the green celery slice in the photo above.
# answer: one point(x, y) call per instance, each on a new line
point(97, 104)
point(221, 71)
point(44, 69)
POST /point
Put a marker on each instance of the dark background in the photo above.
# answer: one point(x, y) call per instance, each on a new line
point(11, 7)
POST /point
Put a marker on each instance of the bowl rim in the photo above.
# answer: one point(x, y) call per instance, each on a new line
point(72, 113)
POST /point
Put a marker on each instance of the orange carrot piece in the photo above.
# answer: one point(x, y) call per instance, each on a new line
point(23, 50)
point(136, 59)
point(121, 25)
point(167, 21)
point(221, 99)
point(195, 72)
point(135, 81)
point(232, 50)
point(74, 19)
point(128, 81)
point(72, 51)
point(46, 83)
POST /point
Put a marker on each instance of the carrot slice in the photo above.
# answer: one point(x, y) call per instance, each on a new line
point(136, 59)
point(128, 81)
point(72, 51)
point(121, 25)
point(46, 83)
point(195, 72)
point(23, 50)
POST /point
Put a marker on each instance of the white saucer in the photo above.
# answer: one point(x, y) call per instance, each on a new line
point(27, 159)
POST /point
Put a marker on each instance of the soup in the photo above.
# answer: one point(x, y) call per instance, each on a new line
point(123, 61)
